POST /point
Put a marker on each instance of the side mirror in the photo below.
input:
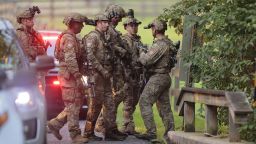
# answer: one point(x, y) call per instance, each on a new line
point(44, 63)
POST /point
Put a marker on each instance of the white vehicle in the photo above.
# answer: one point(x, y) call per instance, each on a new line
point(10, 121)
point(24, 90)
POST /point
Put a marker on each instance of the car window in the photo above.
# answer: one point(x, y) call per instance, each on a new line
point(11, 56)
point(52, 38)
point(50, 50)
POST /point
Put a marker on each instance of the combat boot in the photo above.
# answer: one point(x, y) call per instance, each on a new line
point(146, 136)
point(54, 131)
point(130, 132)
point(93, 137)
point(78, 139)
point(117, 132)
point(114, 137)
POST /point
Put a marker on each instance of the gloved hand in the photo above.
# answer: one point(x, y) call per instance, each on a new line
point(40, 50)
point(78, 75)
point(142, 51)
point(106, 74)
point(123, 52)
point(120, 50)
point(79, 84)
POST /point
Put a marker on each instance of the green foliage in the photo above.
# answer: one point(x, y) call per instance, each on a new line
point(225, 60)
point(249, 130)
point(223, 130)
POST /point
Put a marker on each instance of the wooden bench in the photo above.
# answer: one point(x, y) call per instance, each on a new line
point(236, 102)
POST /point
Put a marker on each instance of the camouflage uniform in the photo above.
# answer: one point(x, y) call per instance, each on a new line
point(31, 41)
point(134, 72)
point(69, 52)
point(117, 45)
point(157, 87)
point(100, 56)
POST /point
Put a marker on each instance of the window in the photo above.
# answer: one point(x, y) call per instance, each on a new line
point(10, 52)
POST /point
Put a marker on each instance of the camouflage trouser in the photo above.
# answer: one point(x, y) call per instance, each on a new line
point(72, 99)
point(135, 87)
point(130, 102)
point(157, 90)
point(118, 90)
point(103, 100)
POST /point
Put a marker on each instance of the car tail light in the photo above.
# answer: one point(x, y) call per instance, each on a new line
point(56, 82)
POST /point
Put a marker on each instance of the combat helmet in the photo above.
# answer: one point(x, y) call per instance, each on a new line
point(130, 18)
point(158, 24)
point(101, 17)
point(114, 10)
point(74, 17)
point(29, 13)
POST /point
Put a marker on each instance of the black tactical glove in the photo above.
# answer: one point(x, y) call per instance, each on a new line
point(106, 74)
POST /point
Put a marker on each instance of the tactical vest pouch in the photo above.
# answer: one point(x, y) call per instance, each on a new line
point(86, 64)
point(87, 68)
point(58, 53)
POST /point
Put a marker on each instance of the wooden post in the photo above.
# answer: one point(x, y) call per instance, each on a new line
point(187, 42)
point(176, 86)
point(234, 135)
point(211, 120)
point(189, 117)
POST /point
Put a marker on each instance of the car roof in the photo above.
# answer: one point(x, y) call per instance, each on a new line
point(5, 24)
point(49, 32)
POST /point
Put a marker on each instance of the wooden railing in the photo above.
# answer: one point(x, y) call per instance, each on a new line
point(236, 102)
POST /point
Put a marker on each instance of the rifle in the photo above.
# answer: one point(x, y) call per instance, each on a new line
point(143, 79)
point(91, 22)
point(90, 80)
point(41, 41)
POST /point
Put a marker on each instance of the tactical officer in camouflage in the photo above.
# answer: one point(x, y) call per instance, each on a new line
point(68, 51)
point(31, 40)
point(118, 47)
point(157, 61)
point(132, 72)
point(100, 56)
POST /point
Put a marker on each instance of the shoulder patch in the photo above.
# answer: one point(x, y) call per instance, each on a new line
point(69, 45)
point(89, 44)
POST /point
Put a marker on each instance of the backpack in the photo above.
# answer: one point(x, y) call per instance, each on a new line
point(58, 52)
